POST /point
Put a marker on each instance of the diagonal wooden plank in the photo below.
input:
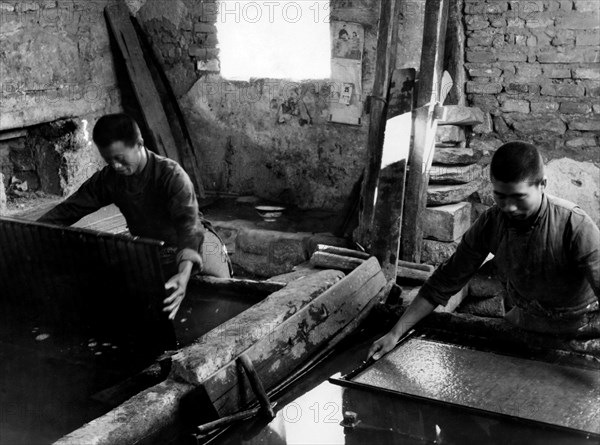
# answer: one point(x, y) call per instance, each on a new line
point(175, 117)
point(145, 91)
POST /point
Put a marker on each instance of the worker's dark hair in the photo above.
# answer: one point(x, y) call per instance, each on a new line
point(517, 161)
point(116, 127)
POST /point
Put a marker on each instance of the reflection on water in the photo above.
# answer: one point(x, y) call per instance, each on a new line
point(307, 421)
point(53, 379)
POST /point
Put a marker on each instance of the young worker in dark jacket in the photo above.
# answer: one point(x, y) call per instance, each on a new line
point(157, 198)
point(546, 249)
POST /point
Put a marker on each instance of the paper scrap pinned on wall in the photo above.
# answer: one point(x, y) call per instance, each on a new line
point(347, 41)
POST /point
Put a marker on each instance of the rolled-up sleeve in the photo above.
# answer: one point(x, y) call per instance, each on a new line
point(183, 209)
point(91, 196)
point(451, 276)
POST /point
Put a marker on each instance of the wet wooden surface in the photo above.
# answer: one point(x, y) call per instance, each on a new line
point(290, 344)
point(550, 393)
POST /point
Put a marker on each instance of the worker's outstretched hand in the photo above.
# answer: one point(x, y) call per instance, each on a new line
point(382, 346)
point(179, 284)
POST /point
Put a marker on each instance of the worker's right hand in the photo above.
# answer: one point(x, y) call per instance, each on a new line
point(382, 346)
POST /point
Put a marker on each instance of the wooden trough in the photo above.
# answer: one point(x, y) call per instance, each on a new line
point(280, 335)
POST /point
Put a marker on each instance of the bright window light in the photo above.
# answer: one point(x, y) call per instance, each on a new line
point(274, 39)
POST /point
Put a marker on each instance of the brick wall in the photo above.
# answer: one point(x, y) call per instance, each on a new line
point(183, 36)
point(534, 67)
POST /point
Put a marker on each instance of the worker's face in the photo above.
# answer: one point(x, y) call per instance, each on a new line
point(124, 160)
point(518, 200)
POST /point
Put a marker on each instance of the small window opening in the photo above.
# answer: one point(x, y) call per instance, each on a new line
point(274, 39)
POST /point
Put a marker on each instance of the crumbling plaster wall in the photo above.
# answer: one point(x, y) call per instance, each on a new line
point(269, 137)
point(534, 68)
point(55, 61)
point(56, 78)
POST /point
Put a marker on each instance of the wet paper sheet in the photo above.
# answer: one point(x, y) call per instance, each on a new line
point(539, 391)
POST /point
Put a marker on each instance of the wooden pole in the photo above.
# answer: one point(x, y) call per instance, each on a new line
point(333, 261)
point(342, 251)
point(455, 52)
point(388, 217)
point(387, 223)
point(425, 125)
point(385, 63)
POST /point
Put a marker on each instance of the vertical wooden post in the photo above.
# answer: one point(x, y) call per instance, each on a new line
point(425, 125)
point(385, 63)
point(387, 221)
point(455, 52)
point(388, 217)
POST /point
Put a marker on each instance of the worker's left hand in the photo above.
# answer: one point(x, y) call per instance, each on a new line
point(179, 283)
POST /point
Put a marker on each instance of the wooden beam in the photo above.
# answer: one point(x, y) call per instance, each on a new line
point(12, 134)
point(404, 271)
point(239, 285)
point(409, 274)
point(332, 261)
point(432, 53)
point(385, 63)
point(388, 217)
point(455, 53)
point(155, 119)
point(387, 222)
point(215, 349)
point(342, 251)
point(425, 125)
point(295, 341)
point(175, 117)
point(425, 267)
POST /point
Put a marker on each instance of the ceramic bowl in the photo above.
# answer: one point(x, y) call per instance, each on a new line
point(269, 213)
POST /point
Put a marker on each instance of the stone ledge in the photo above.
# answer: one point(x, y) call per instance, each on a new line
point(269, 252)
point(447, 223)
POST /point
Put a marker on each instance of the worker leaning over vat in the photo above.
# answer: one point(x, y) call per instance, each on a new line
point(546, 249)
point(157, 198)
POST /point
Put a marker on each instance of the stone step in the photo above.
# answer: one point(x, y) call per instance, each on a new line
point(454, 174)
point(447, 223)
point(463, 116)
point(436, 252)
point(449, 133)
point(456, 155)
point(450, 194)
point(485, 145)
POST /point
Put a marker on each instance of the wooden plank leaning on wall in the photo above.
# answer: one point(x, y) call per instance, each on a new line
point(156, 121)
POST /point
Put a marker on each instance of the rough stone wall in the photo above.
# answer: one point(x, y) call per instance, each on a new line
point(55, 61)
point(53, 158)
point(268, 137)
point(534, 69)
